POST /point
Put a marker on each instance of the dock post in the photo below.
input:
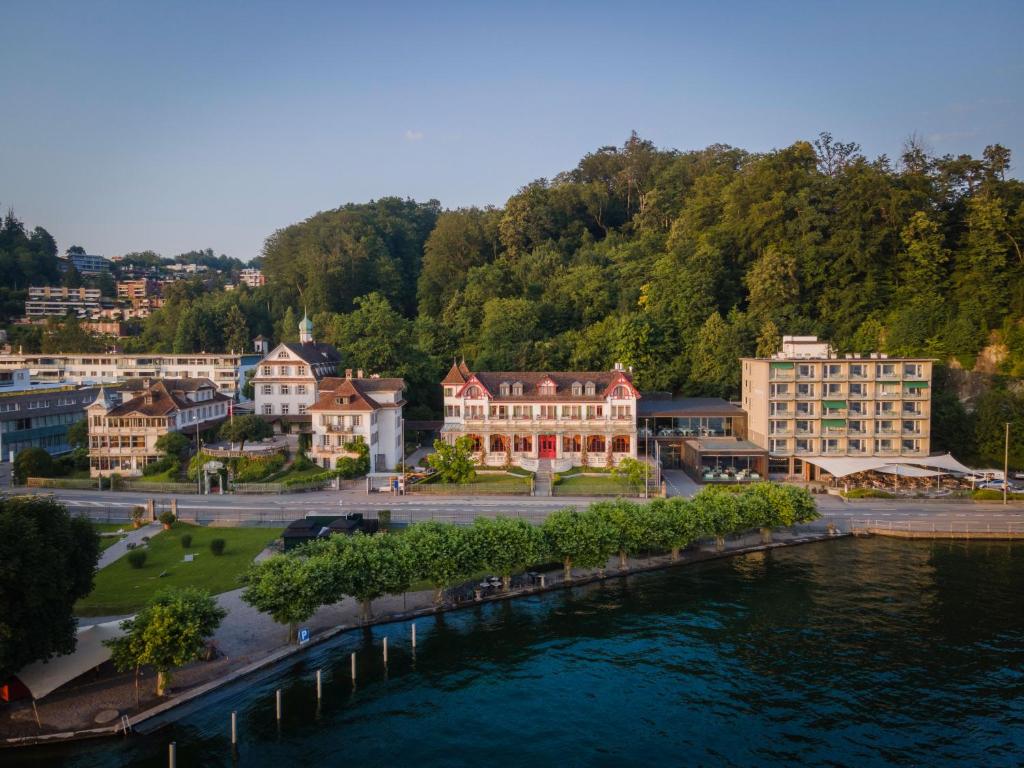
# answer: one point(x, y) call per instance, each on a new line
point(385, 650)
point(234, 729)
point(414, 634)
point(278, 698)
point(319, 686)
point(353, 667)
point(172, 755)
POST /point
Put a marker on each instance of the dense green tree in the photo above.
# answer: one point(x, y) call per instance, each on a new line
point(367, 567)
point(442, 554)
point(453, 461)
point(506, 545)
point(243, 428)
point(47, 562)
point(171, 631)
point(288, 589)
point(579, 539)
point(33, 462)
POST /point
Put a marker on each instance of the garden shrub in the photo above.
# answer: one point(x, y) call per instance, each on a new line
point(137, 558)
point(186, 540)
point(217, 546)
point(167, 518)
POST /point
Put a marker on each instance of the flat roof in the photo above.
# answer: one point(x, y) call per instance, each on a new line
point(725, 445)
point(657, 404)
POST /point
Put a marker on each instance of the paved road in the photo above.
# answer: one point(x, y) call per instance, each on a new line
point(283, 508)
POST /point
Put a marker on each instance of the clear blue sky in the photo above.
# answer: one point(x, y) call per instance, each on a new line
point(180, 125)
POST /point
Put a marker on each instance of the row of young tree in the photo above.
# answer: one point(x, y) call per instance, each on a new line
point(292, 587)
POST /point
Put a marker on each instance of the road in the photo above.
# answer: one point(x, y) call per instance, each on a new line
point(108, 505)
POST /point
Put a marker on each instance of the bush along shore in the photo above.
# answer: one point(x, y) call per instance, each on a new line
point(292, 587)
point(428, 568)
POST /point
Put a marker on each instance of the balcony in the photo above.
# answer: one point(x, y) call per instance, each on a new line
point(806, 396)
point(892, 376)
point(780, 395)
point(781, 376)
point(338, 429)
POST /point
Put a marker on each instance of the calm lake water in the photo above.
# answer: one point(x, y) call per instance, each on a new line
point(845, 653)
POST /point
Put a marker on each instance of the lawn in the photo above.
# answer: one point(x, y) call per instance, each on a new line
point(167, 476)
point(582, 485)
point(109, 541)
point(122, 589)
point(497, 483)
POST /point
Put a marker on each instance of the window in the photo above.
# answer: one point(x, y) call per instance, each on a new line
point(449, 391)
point(804, 446)
point(779, 390)
point(548, 412)
point(284, 409)
point(855, 427)
point(855, 446)
point(473, 391)
point(779, 427)
point(804, 427)
point(453, 411)
point(833, 371)
point(474, 411)
point(620, 444)
point(517, 389)
point(572, 412)
point(571, 443)
point(523, 443)
point(286, 370)
point(911, 446)
point(268, 409)
point(913, 371)
point(498, 444)
point(805, 390)
point(267, 389)
point(883, 446)
point(577, 389)
point(805, 371)
point(911, 428)
point(590, 388)
point(620, 391)
point(302, 409)
point(858, 371)
point(505, 389)
point(300, 389)
point(499, 412)
point(547, 388)
point(522, 411)
point(805, 409)
point(300, 370)
point(268, 371)
point(622, 412)
point(282, 355)
point(779, 446)
point(357, 420)
point(833, 389)
point(285, 390)
point(831, 445)
point(595, 444)
point(595, 411)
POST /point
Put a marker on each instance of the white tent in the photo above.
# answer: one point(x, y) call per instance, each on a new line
point(43, 677)
point(905, 470)
point(841, 466)
point(945, 461)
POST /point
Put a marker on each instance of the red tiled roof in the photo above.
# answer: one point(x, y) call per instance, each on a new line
point(359, 391)
point(603, 382)
point(167, 396)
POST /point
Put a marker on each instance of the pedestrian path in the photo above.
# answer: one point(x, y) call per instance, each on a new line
point(120, 549)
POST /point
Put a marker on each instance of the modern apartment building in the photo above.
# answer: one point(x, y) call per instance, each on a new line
point(287, 380)
point(807, 402)
point(226, 370)
point(358, 409)
point(58, 301)
point(533, 419)
point(254, 278)
point(122, 438)
point(135, 290)
point(39, 418)
point(88, 264)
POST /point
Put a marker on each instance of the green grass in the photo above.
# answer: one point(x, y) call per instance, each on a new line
point(167, 476)
point(294, 474)
point(580, 485)
point(107, 542)
point(513, 480)
point(122, 589)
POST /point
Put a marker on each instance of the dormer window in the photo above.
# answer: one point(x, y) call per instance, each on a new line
point(343, 400)
point(505, 388)
point(517, 389)
point(577, 389)
point(547, 388)
point(591, 389)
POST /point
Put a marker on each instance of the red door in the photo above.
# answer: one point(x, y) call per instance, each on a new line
point(546, 445)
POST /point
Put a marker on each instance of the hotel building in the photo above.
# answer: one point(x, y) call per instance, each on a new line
point(542, 420)
point(807, 401)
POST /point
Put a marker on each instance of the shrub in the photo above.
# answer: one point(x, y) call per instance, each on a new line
point(250, 470)
point(217, 546)
point(166, 464)
point(991, 494)
point(186, 540)
point(167, 518)
point(868, 493)
point(137, 558)
point(302, 461)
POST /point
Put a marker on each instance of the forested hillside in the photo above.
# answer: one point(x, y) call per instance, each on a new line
point(673, 262)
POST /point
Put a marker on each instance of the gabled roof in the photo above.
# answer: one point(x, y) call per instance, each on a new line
point(314, 352)
point(167, 396)
point(603, 382)
point(455, 376)
point(359, 391)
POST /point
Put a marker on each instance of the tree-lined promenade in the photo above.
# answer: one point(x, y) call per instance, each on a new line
point(292, 587)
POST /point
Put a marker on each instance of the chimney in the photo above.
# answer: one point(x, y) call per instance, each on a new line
point(359, 373)
point(348, 373)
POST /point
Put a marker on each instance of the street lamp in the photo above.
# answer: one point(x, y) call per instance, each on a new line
point(647, 454)
point(1006, 464)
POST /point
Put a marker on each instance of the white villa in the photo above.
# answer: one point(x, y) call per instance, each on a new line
point(356, 409)
point(542, 420)
point(287, 381)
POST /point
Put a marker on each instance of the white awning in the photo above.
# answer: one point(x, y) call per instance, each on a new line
point(44, 677)
point(841, 466)
point(945, 461)
point(905, 470)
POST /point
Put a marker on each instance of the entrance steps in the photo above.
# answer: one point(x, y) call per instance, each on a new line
point(542, 478)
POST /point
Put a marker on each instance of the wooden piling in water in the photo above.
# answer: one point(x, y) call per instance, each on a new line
point(353, 666)
point(414, 634)
point(278, 699)
point(319, 686)
point(385, 650)
point(172, 755)
point(234, 729)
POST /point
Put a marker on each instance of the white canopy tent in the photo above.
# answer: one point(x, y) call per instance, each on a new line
point(928, 466)
point(44, 677)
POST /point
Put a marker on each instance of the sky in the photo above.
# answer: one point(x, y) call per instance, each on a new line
point(186, 125)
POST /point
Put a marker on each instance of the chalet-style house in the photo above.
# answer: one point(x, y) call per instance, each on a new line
point(542, 420)
point(287, 380)
point(122, 438)
point(354, 409)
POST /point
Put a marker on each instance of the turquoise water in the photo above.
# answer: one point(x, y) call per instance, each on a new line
point(845, 653)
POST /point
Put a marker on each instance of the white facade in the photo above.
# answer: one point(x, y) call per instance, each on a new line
point(359, 409)
point(226, 370)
